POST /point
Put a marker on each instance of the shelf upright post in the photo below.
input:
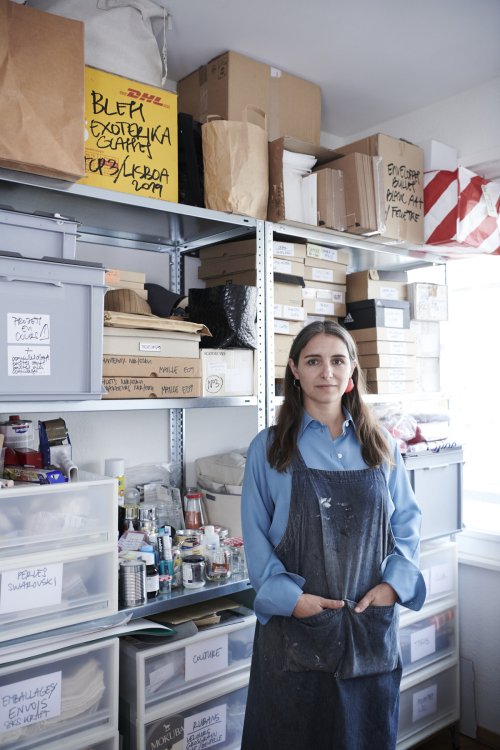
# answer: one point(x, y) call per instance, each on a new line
point(268, 288)
point(262, 327)
point(176, 415)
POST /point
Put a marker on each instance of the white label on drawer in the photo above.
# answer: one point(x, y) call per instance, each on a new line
point(423, 643)
point(144, 347)
point(30, 701)
point(322, 274)
point(206, 657)
point(441, 579)
point(424, 703)
point(28, 360)
point(28, 588)
point(393, 318)
point(205, 729)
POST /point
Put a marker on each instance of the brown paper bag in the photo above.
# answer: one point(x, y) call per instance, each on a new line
point(235, 160)
point(42, 111)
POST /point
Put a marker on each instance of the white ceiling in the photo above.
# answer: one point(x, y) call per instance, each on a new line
point(374, 59)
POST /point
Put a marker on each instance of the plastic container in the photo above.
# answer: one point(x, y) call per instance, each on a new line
point(439, 567)
point(37, 236)
point(53, 320)
point(428, 636)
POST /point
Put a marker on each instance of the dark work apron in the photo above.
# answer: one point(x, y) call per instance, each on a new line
point(329, 681)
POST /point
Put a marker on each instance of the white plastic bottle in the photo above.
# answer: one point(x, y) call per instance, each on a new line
point(218, 568)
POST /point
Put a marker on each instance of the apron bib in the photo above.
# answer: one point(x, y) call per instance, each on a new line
point(337, 536)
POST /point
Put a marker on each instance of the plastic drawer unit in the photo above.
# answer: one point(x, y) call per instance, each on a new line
point(57, 588)
point(59, 516)
point(436, 479)
point(61, 699)
point(97, 742)
point(429, 635)
point(439, 567)
point(37, 235)
point(51, 313)
point(151, 675)
point(429, 701)
point(211, 716)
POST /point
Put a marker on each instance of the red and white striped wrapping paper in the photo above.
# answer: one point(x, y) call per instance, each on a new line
point(456, 211)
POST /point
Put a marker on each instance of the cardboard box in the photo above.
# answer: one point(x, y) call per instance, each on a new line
point(279, 372)
point(331, 204)
point(289, 312)
point(282, 344)
point(387, 313)
point(214, 268)
point(227, 372)
point(41, 92)
point(228, 250)
point(288, 327)
point(428, 338)
point(333, 254)
point(116, 276)
point(428, 375)
point(330, 275)
point(135, 341)
point(359, 192)
point(336, 293)
point(386, 387)
point(231, 83)
point(292, 250)
point(247, 278)
point(324, 308)
point(276, 207)
point(290, 267)
point(378, 374)
point(132, 387)
point(287, 294)
point(380, 333)
point(394, 348)
point(367, 361)
point(402, 173)
point(428, 302)
point(151, 367)
point(374, 284)
point(131, 136)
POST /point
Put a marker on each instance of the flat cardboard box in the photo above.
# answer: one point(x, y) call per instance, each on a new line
point(379, 374)
point(132, 387)
point(231, 83)
point(279, 372)
point(290, 267)
point(210, 269)
point(292, 250)
point(114, 276)
point(114, 104)
point(287, 294)
point(228, 249)
point(308, 284)
point(333, 254)
point(330, 196)
point(366, 348)
point(288, 327)
point(324, 308)
point(427, 336)
point(227, 372)
point(402, 175)
point(135, 341)
point(320, 263)
point(325, 275)
point(151, 367)
point(374, 284)
point(428, 302)
point(289, 312)
point(336, 293)
point(246, 278)
point(380, 333)
point(282, 344)
point(276, 205)
point(388, 313)
point(359, 197)
point(386, 387)
point(367, 361)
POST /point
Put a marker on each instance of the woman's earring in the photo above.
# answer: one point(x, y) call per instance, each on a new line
point(296, 383)
point(350, 386)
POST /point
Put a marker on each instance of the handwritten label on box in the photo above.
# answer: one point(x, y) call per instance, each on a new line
point(206, 657)
point(424, 703)
point(28, 339)
point(423, 643)
point(205, 729)
point(28, 588)
point(30, 701)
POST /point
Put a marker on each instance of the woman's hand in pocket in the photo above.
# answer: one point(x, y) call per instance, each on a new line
point(310, 604)
point(382, 595)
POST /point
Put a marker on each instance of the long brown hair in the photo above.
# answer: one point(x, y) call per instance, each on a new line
point(283, 440)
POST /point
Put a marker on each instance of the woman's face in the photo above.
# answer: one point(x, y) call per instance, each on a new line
point(324, 369)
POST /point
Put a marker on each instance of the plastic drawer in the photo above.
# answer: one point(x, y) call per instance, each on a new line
point(37, 236)
point(59, 516)
point(52, 318)
point(436, 479)
point(430, 636)
point(79, 742)
point(55, 589)
point(60, 699)
point(218, 710)
point(150, 675)
point(439, 567)
point(428, 697)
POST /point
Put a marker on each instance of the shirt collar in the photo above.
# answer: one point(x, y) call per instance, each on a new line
point(309, 422)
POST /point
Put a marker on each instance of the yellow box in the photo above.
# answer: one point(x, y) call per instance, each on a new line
point(130, 136)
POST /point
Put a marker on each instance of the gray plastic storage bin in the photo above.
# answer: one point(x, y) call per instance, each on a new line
point(436, 479)
point(37, 236)
point(51, 323)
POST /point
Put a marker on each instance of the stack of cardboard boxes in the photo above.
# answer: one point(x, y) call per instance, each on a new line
point(230, 263)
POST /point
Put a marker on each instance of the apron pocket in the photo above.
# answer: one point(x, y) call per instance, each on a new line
point(371, 641)
point(313, 643)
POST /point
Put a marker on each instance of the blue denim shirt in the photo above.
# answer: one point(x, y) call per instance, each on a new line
point(266, 504)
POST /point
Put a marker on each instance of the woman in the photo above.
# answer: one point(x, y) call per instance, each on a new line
point(331, 529)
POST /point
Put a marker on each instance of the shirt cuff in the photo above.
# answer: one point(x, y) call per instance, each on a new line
point(278, 596)
point(406, 580)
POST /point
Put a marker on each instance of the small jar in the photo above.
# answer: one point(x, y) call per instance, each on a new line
point(236, 553)
point(193, 571)
point(189, 541)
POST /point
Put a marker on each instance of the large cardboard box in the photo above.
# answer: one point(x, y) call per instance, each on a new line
point(130, 136)
point(41, 92)
point(133, 387)
point(232, 82)
point(402, 178)
point(227, 372)
point(151, 367)
point(374, 284)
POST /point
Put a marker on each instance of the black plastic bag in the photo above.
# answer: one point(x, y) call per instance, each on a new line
point(229, 311)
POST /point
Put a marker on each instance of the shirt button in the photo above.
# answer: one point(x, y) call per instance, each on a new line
point(339, 455)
